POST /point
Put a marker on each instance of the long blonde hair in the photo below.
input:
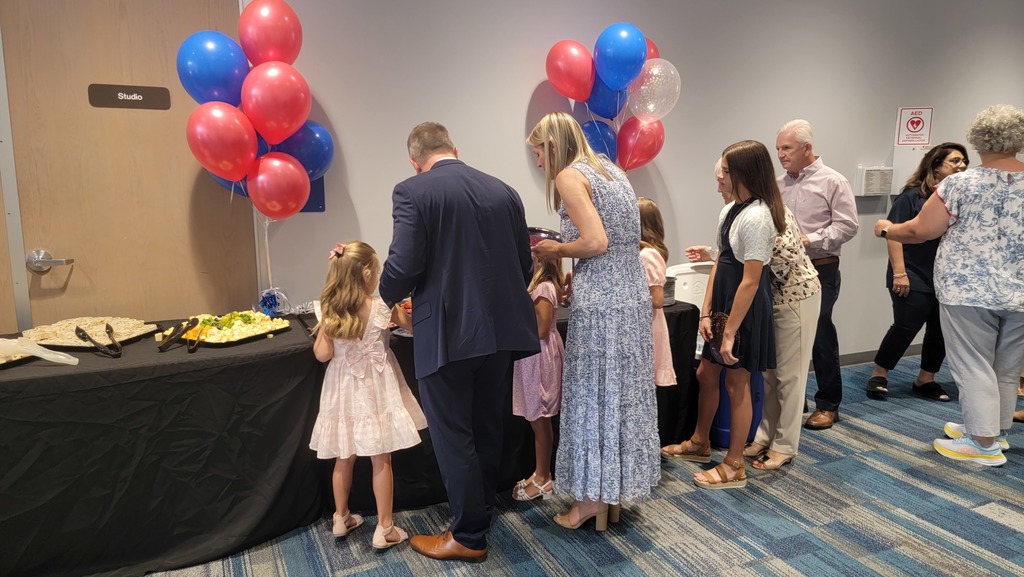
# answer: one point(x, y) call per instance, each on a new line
point(652, 227)
point(563, 143)
point(350, 267)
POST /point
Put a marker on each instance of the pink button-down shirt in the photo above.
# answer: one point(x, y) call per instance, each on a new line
point(822, 201)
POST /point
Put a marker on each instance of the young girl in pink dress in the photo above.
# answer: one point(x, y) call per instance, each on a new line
point(366, 408)
point(537, 380)
point(653, 255)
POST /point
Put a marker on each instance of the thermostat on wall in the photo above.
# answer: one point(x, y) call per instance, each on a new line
point(873, 181)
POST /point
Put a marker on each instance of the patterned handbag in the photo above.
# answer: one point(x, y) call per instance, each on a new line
point(718, 321)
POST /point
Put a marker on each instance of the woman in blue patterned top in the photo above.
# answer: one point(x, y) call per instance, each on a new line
point(608, 441)
point(979, 281)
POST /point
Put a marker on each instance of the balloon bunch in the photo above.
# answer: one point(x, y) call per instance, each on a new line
point(267, 150)
point(626, 68)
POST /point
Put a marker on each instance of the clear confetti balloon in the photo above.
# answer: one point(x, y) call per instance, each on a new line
point(655, 91)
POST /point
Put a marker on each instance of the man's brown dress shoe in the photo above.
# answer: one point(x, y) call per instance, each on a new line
point(820, 419)
point(444, 546)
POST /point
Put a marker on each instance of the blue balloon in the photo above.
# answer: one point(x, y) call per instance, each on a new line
point(212, 66)
point(237, 187)
point(619, 54)
point(601, 138)
point(606, 102)
point(312, 146)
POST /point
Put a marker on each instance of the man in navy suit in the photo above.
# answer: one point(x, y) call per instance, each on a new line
point(460, 246)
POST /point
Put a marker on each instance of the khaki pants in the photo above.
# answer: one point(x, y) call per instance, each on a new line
point(785, 386)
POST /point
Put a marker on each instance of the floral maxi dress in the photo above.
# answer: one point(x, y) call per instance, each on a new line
point(608, 442)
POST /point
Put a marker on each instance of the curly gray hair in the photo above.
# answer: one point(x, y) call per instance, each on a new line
point(997, 129)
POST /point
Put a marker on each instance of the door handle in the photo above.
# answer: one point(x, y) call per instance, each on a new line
point(40, 261)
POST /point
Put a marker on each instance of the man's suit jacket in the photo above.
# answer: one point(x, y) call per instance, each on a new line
point(460, 246)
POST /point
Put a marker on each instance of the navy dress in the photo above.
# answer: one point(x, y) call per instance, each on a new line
point(756, 350)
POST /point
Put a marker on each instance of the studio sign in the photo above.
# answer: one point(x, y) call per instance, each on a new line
point(121, 96)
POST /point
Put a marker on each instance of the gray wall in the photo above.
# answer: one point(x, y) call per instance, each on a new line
point(376, 69)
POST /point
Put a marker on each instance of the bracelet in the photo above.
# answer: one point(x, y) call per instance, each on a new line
point(901, 275)
point(704, 317)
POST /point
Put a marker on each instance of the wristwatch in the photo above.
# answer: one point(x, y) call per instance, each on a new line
point(885, 231)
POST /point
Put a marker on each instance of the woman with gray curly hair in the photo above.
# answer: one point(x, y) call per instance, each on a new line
point(979, 281)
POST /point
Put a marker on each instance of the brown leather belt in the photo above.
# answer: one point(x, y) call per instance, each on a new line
point(825, 260)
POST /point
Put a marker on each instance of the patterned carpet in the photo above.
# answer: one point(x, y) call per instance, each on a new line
point(868, 497)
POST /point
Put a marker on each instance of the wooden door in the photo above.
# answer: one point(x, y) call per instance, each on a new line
point(8, 316)
point(152, 235)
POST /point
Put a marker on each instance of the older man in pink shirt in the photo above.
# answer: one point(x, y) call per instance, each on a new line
point(823, 203)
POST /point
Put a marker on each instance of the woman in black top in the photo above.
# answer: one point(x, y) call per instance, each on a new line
point(909, 280)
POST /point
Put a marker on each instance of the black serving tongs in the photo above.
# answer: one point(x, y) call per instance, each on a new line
point(176, 334)
point(113, 350)
point(193, 347)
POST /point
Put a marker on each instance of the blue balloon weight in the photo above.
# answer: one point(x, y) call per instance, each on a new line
point(212, 66)
point(601, 138)
point(606, 102)
point(619, 54)
point(312, 146)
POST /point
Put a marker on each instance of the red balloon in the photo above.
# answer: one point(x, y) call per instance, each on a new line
point(570, 69)
point(276, 99)
point(652, 49)
point(269, 30)
point(639, 142)
point(278, 185)
point(222, 139)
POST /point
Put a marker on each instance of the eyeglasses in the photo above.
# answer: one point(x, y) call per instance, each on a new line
point(957, 161)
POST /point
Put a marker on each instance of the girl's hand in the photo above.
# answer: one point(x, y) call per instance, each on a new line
point(705, 329)
point(726, 349)
point(901, 286)
point(400, 317)
point(546, 250)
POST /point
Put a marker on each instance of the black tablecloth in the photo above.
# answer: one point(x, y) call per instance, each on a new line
point(162, 460)
point(156, 460)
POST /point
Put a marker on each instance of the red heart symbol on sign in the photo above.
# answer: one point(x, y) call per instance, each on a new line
point(915, 123)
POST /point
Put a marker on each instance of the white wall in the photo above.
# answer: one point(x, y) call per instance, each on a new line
point(377, 69)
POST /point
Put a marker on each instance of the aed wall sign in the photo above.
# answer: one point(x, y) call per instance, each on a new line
point(121, 96)
point(914, 126)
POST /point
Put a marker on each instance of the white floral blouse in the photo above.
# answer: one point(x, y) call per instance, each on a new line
point(980, 262)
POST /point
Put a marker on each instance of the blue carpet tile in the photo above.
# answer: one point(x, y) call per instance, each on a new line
point(869, 496)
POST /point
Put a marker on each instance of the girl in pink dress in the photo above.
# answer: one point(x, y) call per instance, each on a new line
point(653, 255)
point(366, 408)
point(537, 380)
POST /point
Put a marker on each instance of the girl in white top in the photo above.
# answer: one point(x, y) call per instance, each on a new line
point(740, 288)
point(366, 408)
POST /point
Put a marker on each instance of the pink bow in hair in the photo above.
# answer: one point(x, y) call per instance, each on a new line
point(337, 251)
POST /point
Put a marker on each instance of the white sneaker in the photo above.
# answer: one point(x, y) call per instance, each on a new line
point(965, 448)
point(955, 431)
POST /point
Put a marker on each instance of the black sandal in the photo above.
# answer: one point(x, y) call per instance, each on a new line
point(878, 387)
point(931, 390)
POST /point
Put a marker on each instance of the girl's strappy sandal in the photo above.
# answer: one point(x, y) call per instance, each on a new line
point(699, 453)
point(342, 526)
point(380, 536)
point(723, 481)
point(543, 491)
